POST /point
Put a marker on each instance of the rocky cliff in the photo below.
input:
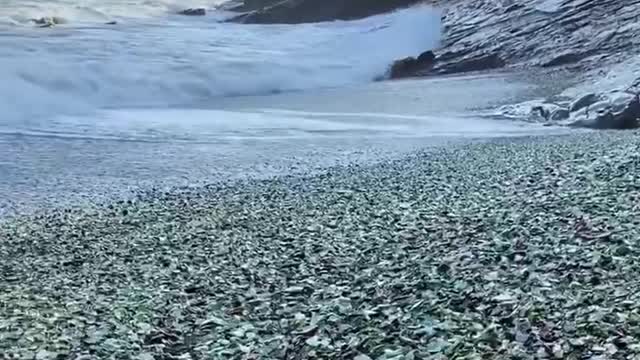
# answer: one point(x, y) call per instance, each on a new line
point(541, 33)
point(302, 11)
point(584, 37)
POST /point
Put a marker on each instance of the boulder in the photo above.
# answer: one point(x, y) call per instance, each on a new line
point(411, 66)
point(193, 12)
point(307, 11)
point(619, 110)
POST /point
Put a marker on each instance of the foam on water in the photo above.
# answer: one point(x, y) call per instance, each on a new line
point(18, 12)
point(183, 61)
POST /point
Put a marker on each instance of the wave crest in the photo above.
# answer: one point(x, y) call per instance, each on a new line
point(198, 61)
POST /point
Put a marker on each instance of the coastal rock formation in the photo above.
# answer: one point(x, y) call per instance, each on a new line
point(611, 110)
point(193, 12)
point(579, 34)
point(617, 110)
point(259, 4)
point(304, 11)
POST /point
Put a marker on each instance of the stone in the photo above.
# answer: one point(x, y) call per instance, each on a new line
point(411, 66)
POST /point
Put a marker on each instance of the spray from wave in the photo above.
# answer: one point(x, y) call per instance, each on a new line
point(52, 71)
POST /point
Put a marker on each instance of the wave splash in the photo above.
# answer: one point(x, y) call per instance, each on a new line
point(188, 61)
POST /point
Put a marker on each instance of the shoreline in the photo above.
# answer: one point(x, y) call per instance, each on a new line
point(369, 155)
point(506, 246)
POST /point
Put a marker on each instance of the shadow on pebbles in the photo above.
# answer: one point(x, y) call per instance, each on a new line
point(514, 249)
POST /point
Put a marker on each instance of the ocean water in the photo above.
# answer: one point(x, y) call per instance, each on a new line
point(92, 109)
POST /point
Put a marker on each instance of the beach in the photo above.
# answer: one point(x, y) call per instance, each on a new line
point(503, 248)
point(304, 179)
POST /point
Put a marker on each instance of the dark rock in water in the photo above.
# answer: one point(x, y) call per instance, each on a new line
point(620, 111)
point(193, 12)
point(426, 62)
point(551, 112)
point(403, 68)
point(560, 114)
point(427, 57)
point(411, 66)
point(48, 21)
point(542, 111)
point(305, 11)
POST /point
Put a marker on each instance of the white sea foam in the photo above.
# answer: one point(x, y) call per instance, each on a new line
point(22, 11)
point(184, 61)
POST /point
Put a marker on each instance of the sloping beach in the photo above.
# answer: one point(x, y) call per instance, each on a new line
point(514, 248)
point(177, 187)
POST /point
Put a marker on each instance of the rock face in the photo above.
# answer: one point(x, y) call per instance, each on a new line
point(193, 12)
point(581, 34)
point(259, 4)
point(304, 11)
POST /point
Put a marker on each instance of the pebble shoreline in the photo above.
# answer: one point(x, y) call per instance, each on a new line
point(513, 248)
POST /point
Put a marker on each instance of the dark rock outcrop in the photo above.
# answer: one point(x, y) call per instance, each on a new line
point(193, 12)
point(305, 11)
point(410, 66)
